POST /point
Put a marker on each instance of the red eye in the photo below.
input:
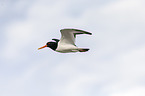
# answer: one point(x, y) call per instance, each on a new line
point(48, 43)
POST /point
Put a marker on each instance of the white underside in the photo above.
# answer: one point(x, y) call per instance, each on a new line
point(66, 48)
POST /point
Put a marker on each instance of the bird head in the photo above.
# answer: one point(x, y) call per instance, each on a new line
point(48, 44)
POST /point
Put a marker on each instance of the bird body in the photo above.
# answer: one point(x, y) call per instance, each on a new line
point(65, 48)
point(67, 42)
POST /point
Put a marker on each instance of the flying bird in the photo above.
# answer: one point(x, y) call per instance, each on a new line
point(67, 42)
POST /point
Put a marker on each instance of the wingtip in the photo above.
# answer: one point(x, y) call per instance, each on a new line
point(90, 33)
point(57, 40)
point(86, 32)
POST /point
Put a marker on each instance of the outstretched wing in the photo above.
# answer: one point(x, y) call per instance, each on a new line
point(68, 35)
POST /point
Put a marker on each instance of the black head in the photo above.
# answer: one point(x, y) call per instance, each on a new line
point(52, 45)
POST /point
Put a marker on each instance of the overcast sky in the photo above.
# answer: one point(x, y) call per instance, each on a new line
point(114, 65)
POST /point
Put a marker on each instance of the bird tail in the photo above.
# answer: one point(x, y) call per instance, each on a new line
point(83, 50)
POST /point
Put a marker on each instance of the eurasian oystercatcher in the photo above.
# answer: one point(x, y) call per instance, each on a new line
point(67, 42)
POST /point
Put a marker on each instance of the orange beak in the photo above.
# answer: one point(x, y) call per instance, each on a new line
point(42, 47)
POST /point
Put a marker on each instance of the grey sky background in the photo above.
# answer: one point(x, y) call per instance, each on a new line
point(114, 66)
